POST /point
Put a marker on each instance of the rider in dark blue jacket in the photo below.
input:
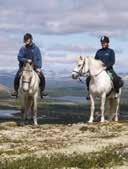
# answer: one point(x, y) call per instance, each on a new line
point(107, 56)
point(29, 53)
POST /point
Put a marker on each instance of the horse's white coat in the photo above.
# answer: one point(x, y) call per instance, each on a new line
point(28, 92)
point(100, 85)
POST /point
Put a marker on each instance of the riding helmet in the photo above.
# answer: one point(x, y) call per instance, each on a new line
point(104, 39)
point(27, 36)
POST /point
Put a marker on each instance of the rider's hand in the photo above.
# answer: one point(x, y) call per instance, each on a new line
point(38, 70)
point(29, 61)
point(104, 66)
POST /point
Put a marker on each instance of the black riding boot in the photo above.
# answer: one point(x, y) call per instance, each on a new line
point(42, 85)
point(16, 83)
point(116, 81)
point(87, 84)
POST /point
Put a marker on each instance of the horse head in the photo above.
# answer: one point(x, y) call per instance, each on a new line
point(81, 68)
point(26, 77)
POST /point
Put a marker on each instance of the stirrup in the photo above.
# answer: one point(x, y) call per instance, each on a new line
point(88, 97)
point(14, 94)
point(117, 95)
point(43, 94)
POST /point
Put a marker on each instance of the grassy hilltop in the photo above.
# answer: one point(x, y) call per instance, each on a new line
point(63, 140)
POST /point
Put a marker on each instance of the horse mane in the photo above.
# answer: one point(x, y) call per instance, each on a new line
point(27, 67)
point(96, 66)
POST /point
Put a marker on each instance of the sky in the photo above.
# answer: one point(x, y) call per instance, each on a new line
point(63, 30)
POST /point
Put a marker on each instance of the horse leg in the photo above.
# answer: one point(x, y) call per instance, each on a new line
point(92, 108)
point(117, 105)
point(22, 110)
point(114, 108)
point(29, 111)
point(34, 110)
point(107, 108)
point(117, 108)
point(102, 108)
point(111, 109)
point(22, 116)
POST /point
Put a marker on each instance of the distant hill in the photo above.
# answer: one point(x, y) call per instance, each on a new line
point(4, 91)
point(125, 77)
point(3, 88)
point(55, 85)
point(52, 80)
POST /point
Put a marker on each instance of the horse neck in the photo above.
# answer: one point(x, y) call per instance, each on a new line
point(95, 66)
point(35, 80)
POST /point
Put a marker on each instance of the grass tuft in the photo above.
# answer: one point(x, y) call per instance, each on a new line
point(106, 158)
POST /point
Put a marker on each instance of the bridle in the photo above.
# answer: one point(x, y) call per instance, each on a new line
point(25, 81)
point(80, 71)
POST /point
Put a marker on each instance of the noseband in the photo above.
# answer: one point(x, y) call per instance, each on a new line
point(24, 81)
point(80, 71)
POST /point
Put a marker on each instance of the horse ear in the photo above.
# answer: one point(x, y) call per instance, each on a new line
point(81, 58)
point(24, 64)
point(87, 57)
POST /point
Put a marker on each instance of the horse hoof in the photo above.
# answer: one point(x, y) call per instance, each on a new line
point(102, 121)
point(116, 119)
point(90, 121)
point(36, 124)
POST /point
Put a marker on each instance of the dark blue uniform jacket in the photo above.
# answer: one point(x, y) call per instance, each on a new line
point(33, 53)
point(107, 56)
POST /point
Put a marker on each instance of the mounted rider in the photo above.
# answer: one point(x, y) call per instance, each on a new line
point(107, 56)
point(29, 53)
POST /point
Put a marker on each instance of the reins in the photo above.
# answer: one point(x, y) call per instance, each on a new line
point(80, 73)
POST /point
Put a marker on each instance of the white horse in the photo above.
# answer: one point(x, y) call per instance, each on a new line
point(100, 85)
point(28, 92)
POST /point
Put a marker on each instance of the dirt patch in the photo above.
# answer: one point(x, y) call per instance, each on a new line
point(20, 142)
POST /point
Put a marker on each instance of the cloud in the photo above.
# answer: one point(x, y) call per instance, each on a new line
point(65, 17)
point(55, 17)
point(53, 58)
point(75, 48)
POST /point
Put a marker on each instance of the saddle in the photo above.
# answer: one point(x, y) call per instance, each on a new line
point(116, 80)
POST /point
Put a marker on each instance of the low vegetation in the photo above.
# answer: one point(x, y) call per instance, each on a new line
point(63, 139)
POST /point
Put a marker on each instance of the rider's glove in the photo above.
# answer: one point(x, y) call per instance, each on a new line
point(104, 66)
point(38, 70)
point(29, 61)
